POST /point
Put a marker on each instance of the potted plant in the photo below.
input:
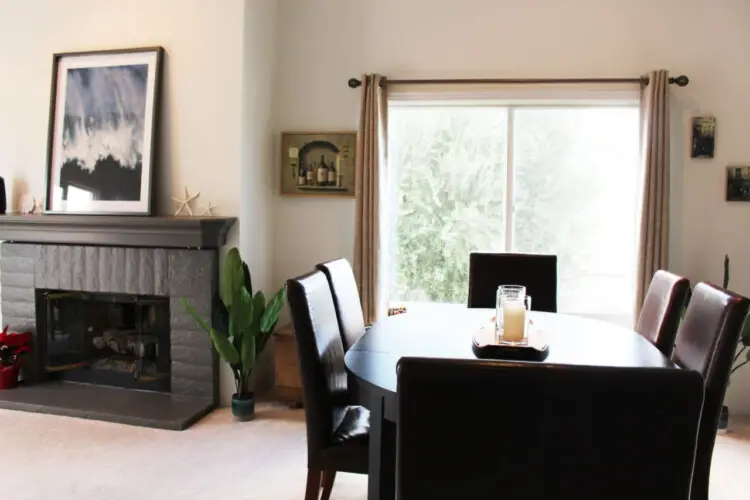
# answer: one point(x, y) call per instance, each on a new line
point(741, 357)
point(12, 348)
point(241, 325)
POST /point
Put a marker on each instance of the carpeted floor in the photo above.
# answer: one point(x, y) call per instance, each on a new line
point(59, 458)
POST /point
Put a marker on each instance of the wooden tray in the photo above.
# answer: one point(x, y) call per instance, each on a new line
point(484, 345)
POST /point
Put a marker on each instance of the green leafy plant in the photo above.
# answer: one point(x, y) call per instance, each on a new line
point(241, 322)
point(742, 357)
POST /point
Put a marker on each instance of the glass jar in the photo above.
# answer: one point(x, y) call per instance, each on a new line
point(511, 313)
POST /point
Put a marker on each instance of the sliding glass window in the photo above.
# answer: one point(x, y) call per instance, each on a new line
point(558, 177)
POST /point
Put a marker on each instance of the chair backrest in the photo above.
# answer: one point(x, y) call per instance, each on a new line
point(488, 430)
point(321, 358)
point(538, 273)
point(706, 343)
point(662, 307)
point(346, 300)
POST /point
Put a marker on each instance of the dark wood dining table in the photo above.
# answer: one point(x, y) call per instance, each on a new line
point(447, 333)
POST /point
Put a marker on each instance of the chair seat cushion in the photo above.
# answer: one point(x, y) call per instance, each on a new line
point(349, 451)
point(354, 425)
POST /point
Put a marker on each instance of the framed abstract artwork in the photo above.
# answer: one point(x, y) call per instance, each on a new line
point(318, 163)
point(103, 117)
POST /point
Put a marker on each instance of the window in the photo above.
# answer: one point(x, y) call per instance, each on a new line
point(545, 177)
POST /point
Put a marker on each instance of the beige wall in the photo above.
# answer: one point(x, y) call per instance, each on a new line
point(200, 123)
point(257, 140)
point(322, 43)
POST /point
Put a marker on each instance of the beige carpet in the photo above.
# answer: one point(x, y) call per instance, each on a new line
point(59, 458)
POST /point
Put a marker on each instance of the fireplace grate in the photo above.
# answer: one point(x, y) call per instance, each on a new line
point(120, 340)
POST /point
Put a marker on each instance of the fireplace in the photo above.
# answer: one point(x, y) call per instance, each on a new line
point(101, 296)
point(118, 340)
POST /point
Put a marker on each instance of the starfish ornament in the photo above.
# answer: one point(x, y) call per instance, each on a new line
point(185, 202)
point(208, 210)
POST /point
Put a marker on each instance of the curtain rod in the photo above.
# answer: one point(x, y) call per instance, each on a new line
point(680, 81)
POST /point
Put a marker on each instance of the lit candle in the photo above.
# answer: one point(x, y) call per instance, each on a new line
point(514, 320)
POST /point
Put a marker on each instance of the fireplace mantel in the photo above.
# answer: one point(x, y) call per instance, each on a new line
point(114, 230)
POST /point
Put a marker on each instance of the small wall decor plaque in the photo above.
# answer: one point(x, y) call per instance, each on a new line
point(318, 163)
point(704, 133)
point(738, 183)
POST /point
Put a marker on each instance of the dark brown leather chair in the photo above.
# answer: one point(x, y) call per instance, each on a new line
point(536, 431)
point(662, 308)
point(337, 432)
point(538, 273)
point(706, 343)
point(346, 299)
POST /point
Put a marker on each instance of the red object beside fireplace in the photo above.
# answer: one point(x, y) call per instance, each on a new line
point(12, 347)
point(9, 376)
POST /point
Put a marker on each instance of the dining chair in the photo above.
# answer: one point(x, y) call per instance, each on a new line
point(337, 432)
point(662, 309)
point(345, 299)
point(706, 343)
point(519, 431)
point(538, 273)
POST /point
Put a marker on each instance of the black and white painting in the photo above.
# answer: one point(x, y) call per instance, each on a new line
point(102, 125)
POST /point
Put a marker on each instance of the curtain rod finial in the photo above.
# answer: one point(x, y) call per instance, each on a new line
point(681, 81)
point(354, 83)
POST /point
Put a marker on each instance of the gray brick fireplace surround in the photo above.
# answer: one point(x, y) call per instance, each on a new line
point(142, 269)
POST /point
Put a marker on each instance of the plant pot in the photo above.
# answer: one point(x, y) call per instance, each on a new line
point(9, 376)
point(723, 426)
point(243, 406)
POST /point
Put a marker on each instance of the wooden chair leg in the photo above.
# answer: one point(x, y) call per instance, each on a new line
point(313, 484)
point(328, 477)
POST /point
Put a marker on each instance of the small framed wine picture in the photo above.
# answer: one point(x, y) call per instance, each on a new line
point(318, 163)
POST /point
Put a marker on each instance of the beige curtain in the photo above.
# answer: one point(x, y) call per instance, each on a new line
point(654, 234)
point(371, 154)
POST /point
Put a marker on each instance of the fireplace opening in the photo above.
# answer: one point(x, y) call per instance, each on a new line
point(109, 339)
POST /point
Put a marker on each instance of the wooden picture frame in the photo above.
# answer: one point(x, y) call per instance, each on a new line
point(318, 164)
point(101, 143)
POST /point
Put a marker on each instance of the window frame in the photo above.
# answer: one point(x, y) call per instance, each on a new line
point(511, 101)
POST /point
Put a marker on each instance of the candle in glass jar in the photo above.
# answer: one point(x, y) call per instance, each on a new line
point(514, 321)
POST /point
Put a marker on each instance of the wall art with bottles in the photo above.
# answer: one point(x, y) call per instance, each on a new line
point(318, 163)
